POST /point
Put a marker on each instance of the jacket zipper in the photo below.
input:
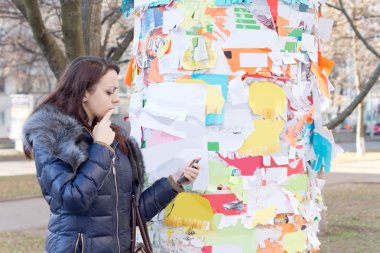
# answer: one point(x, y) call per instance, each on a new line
point(117, 200)
point(105, 179)
point(80, 237)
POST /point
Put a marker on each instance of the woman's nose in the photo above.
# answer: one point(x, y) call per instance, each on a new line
point(116, 99)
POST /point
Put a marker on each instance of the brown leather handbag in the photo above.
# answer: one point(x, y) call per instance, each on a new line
point(146, 246)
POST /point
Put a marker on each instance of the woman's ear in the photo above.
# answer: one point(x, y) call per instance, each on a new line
point(85, 98)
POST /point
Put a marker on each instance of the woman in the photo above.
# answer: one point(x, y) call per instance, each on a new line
point(87, 168)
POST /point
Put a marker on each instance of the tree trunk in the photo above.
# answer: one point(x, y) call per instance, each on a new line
point(45, 40)
point(92, 27)
point(72, 28)
point(360, 132)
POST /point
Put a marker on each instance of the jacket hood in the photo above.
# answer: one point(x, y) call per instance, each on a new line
point(63, 136)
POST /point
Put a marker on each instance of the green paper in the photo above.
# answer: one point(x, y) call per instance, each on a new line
point(218, 173)
point(296, 32)
point(241, 10)
point(209, 28)
point(215, 221)
point(195, 42)
point(253, 27)
point(235, 180)
point(239, 15)
point(193, 31)
point(211, 188)
point(295, 241)
point(239, 235)
point(297, 183)
point(246, 21)
point(290, 46)
point(238, 191)
point(213, 146)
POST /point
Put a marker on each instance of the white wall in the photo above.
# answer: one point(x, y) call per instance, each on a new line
point(5, 106)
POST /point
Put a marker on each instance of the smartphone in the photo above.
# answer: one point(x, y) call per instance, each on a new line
point(183, 179)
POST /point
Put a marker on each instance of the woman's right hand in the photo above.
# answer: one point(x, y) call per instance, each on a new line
point(102, 131)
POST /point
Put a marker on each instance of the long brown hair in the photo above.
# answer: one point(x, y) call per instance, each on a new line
point(82, 74)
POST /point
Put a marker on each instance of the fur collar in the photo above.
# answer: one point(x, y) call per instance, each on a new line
point(65, 138)
point(61, 134)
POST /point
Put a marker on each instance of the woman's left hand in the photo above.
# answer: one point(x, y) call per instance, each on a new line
point(190, 172)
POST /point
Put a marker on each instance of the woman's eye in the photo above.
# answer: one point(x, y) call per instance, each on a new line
point(109, 93)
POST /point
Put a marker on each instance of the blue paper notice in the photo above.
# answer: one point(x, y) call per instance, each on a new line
point(322, 149)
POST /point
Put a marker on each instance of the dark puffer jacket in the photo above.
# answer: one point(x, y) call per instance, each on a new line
point(88, 185)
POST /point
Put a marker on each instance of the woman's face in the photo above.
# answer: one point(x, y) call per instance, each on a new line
point(102, 97)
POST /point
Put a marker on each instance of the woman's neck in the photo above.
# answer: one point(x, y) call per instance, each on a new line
point(90, 117)
point(90, 120)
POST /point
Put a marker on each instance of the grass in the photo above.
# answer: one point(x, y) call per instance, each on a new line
point(17, 242)
point(9, 154)
point(16, 187)
point(353, 218)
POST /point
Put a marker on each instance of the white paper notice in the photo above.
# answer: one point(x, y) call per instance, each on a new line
point(266, 160)
point(191, 96)
point(276, 175)
point(168, 63)
point(313, 56)
point(200, 52)
point(251, 39)
point(171, 19)
point(168, 109)
point(288, 59)
point(276, 58)
point(165, 125)
point(272, 195)
point(238, 118)
point(226, 249)
point(238, 91)
point(325, 28)
point(253, 60)
point(308, 43)
point(281, 159)
point(165, 159)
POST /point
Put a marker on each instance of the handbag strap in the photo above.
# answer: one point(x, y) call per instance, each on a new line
point(136, 216)
point(143, 230)
point(133, 239)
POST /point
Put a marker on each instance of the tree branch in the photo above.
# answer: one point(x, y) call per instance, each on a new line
point(353, 26)
point(27, 49)
point(72, 28)
point(110, 24)
point(357, 100)
point(110, 14)
point(122, 47)
point(20, 6)
point(334, 7)
point(49, 47)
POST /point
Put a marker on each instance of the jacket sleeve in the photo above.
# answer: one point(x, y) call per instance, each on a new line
point(75, 192)
point(155, 198)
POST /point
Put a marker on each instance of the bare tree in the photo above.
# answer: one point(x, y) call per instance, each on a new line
point(38, 35)
point(368, 21)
